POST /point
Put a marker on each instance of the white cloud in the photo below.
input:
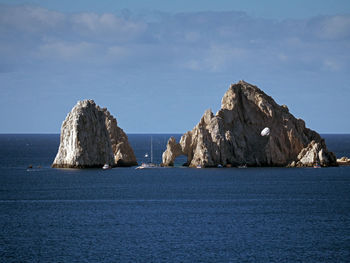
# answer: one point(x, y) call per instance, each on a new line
point(86, 20)
point(44, 16)
point(207, 41)
point(65, 50)
point(107, 26)
point(217, 58)
point(222, 56)
point(336, 27)
point(29, 19)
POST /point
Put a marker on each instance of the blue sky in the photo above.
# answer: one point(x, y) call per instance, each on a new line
point(158, 65)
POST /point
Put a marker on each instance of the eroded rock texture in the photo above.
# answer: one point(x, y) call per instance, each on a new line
point(90, 137)
point(232, 136)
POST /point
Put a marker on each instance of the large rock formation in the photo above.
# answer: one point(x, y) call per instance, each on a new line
point(233, 137)
point(90, 137)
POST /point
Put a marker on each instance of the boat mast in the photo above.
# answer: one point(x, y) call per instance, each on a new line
point(151, 150)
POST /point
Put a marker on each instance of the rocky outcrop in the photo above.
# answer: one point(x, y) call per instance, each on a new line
point(344, 161)
point(232, 136)
point(172, 151)
point(90, 137)
point(122, 151)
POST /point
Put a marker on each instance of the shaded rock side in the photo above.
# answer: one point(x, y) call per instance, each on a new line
point(90, 138)
point(232, 136)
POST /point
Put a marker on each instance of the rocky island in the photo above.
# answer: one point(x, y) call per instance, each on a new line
point(91, 138)
point(237, 135)
point(345, 161)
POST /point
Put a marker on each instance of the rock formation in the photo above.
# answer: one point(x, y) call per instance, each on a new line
point(344, 161)
point(90, 137)
point(232, 136)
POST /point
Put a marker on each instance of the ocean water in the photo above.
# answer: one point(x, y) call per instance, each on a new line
point(169, 214)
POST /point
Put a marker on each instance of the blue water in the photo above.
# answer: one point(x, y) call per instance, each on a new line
point(169, 214)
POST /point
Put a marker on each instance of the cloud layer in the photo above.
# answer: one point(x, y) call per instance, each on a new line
point(130, 59)
point(206, 41)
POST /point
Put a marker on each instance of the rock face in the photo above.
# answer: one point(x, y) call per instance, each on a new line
point(90, 137)
point(233, 137)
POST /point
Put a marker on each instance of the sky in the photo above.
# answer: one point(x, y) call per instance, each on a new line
point(158, 65)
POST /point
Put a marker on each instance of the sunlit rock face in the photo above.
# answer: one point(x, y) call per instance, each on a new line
point(232, 136)
point(90, 137)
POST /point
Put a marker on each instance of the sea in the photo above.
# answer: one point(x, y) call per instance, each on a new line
point(169, 214)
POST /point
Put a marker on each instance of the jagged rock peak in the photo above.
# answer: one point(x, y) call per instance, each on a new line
point(90, 137)
point(232, 136)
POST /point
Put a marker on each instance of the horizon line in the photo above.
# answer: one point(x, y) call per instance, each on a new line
point(159, 133)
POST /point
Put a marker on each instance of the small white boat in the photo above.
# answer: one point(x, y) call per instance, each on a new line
point(242, 166)
point(106, 167)
point(199, 166)
point(317, 165)
point(146, 165)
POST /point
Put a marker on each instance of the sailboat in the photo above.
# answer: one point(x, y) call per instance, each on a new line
point(151, 164)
